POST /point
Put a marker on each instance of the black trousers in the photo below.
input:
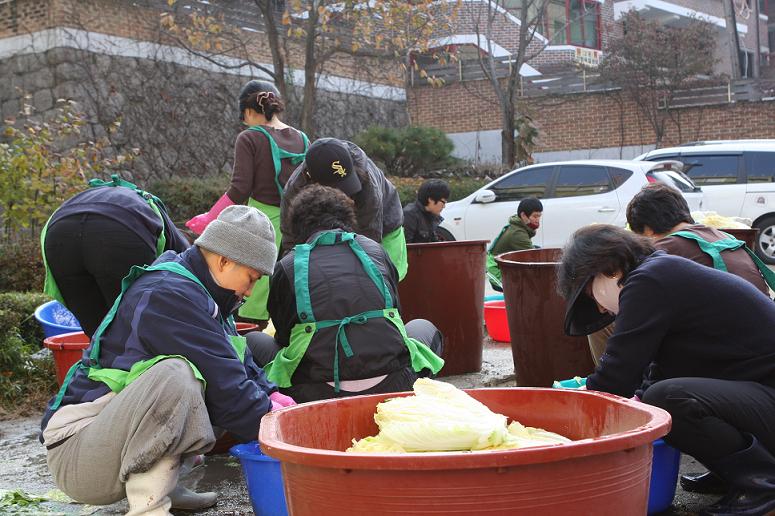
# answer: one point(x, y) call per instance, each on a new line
point(89, 255)
point(710, 417)
point(264, 348)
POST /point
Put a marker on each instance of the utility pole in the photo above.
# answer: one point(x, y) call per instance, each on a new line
point(757, 54)
point(732, 41)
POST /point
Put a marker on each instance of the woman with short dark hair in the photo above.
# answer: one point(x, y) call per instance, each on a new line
point(334, 304)
point(690, 339)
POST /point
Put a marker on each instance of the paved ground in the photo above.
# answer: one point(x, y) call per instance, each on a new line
point(23, 459)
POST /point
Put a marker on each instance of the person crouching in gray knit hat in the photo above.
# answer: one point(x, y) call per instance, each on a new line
point(169, 336)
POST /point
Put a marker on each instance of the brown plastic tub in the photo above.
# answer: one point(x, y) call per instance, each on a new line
point(445, 284)
point(605, 472)
point(747, 235)
point(541, 350)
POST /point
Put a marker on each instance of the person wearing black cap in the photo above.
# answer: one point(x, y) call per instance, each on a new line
point(265, 156)
point(344, 165)
point(690, 339)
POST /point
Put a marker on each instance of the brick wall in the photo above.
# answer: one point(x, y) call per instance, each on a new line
point(22, 16)
point(586, 121)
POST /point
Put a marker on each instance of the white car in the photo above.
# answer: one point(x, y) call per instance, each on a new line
point(737, 178)
point(573, 193)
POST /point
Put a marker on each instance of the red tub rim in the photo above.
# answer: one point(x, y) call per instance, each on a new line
point(506, 258)
point(451, 243)
point(54, 342)
point(658, 427)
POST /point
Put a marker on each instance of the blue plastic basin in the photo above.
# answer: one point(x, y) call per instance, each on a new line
point(664, 476)
point(263, 478)
point(55, 319)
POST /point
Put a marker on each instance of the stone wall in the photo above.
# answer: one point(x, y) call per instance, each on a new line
point(182, 120)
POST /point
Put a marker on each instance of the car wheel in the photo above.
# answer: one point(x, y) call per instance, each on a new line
point(445, 235)
point(765, 242)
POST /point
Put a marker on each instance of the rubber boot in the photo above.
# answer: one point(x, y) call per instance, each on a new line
point(183, 498)
point(705, 483)
point(148, 492)
point(751, 474)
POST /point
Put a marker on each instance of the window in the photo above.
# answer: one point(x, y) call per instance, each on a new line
point(619, 176)
point(575, 180)
point(566, 22)
point(760, 167)
point(526, 183)
point(672, 178)
point(711, 170)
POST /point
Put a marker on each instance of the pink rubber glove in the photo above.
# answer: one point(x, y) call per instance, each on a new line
point(281, 399)
point(200, 222)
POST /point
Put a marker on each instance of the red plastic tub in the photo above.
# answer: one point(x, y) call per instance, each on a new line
point(605, 472)
point(67, 349)
point(496, 320)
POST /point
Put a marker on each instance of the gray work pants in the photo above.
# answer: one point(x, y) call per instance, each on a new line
point(161, 414)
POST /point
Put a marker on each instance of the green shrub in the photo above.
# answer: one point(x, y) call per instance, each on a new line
point(407, 151)
point(26, 379)
point(21, 266)
point(186, 197)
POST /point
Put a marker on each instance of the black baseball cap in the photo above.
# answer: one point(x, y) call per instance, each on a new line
point(582, 316)
point(329, 163)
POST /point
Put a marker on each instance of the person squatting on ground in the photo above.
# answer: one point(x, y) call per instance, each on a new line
point(423, 216)
point(690, 339)
point(94, 238)
point(343, 165)
point(662, 213)
point(515, 236)
point(265, 156)
point(334, 304)
point(164, 368)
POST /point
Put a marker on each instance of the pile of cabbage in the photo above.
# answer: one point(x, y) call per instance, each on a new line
point(714, 220)
point(440, 417)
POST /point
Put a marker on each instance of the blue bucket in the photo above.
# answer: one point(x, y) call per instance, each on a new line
point(55, 319)
point(664, 476)
point(263, 478)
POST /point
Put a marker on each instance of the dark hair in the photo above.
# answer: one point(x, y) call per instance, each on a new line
point(596, 249)
point(436, 189)
point(319, 208)
point(659, 207)
point(529, 205)
point(262, 97)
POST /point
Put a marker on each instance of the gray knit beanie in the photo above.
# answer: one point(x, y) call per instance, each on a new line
point(244, 235)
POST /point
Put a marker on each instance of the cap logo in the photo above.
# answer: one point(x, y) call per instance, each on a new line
point(338, 169)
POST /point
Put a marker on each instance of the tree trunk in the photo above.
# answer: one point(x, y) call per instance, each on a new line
point(310, 69)
point(273, 36)
point(508, 145)
point(733, 42)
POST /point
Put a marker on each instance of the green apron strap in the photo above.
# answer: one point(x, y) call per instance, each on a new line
point(766, 272)
point(495, 242)
point(278, 154)
point(394, 244)
point(713, 249)
point(50, 286)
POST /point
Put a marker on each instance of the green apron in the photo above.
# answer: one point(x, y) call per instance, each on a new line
point(255, 305)
point(117, 379)
point(281, 369)
point(491, 266)
point(394, 244)
point(714, 250)
point(50, 286)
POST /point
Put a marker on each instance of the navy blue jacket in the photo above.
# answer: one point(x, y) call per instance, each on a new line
point(682, 319)
point(164, 313)
point(125, 207)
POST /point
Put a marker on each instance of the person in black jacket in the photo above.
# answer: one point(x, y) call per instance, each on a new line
point(702, 338)
point(334, 303)
point(95, 237)
point(423, 216)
